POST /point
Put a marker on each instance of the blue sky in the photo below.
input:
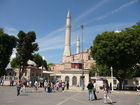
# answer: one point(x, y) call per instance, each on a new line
point(48, 18)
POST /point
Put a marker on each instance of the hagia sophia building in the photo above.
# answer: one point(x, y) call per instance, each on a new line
point(73, 66)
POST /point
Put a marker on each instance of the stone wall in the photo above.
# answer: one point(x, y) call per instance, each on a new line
point(87, 60)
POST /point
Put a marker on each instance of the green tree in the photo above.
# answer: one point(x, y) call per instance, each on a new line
point(119, 50)
point(26, 46)
point(45, 64)
point(38, 59)
point(50, 65)
point(99, 70)
point(93, 70)
point(7, 43)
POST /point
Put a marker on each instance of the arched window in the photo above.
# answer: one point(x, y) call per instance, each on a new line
point(67, 78)
point(74, 80)
point(88, 57)
point(82, 80)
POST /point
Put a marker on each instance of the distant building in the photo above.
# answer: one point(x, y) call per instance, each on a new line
point(74, 68)
point(32, 72)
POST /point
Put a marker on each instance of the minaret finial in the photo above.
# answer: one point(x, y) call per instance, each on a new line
point(78, 38)
point(68, 15)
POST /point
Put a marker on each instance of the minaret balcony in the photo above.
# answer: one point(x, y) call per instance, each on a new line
point(68, 26)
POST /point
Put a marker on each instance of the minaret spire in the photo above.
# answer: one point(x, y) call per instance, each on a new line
point(67, 49)
point(68, 15)
point(78, 45)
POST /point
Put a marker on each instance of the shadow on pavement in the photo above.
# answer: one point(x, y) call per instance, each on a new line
point(24, 95)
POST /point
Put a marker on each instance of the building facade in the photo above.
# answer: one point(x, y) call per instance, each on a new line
point(74, 68)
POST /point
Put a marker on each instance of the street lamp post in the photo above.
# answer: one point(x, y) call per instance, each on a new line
point(112, 77)
point(82, 27)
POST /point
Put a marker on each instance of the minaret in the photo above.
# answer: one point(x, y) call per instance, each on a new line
point(78, 45)
point(67, 49)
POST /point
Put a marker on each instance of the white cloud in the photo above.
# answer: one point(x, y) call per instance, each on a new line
point(113, 11)
point(124, 6)
point(49, 35)
point(91, 10)
point(13, 56)
point(54, 40)
point(11, 31)
point(43, 57)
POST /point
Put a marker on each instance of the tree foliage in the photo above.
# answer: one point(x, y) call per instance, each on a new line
point(119, 50)
point(37, 58)
point(26, 46)
point(50, 65)
point(93, 70)
point(45, 64)
point(99, 70)
point(7, 43)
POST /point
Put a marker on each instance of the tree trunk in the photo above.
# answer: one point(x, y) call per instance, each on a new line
point(120, 84)
point(21, 72)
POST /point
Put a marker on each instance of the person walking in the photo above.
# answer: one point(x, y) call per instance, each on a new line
point(49, 87)
point(52, 86)
point(45, 85)
point(107, 99)
point(36, 86)
point(67, 84)
point(19, 85)
point(83, 86)
point(57, 85)
point(90, 91)
point(63, 86)
point(94, 90)
point(60, 86)
point(0, 81)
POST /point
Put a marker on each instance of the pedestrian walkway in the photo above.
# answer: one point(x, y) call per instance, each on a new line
point(79, 89)
point(30, 97)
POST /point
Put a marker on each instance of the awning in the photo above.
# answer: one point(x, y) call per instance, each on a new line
point(55, 74)
point(48, 72)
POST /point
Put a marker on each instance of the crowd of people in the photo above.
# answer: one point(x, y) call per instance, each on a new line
point(49, 86)
point(60, 86)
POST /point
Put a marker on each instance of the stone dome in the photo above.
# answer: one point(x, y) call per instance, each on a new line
point(31, 63)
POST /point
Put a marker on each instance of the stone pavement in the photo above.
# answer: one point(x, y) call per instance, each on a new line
point(8, 97)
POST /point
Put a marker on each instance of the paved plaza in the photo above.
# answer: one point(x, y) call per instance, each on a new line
point(8, 97)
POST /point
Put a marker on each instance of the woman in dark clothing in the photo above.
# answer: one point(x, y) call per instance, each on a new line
point(90, 91)
point(94, 91)
point(67, 85)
